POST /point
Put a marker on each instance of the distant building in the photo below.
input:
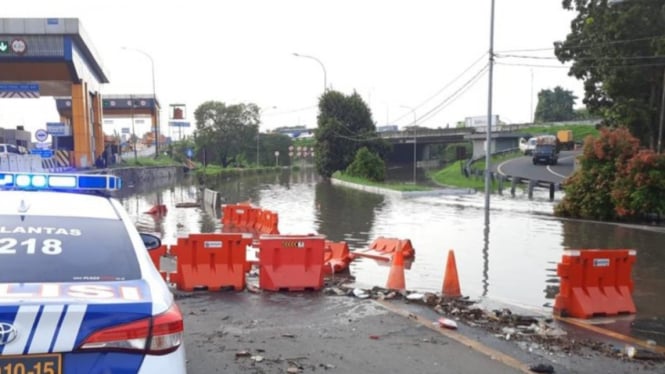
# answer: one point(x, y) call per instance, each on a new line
point(296, 132)
point(16, 136)
point(387, 128)
point(480, 121)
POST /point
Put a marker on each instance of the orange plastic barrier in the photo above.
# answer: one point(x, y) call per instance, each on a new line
point(336, 257)
point(595, 282)
point(158, 210)
point(246, 216)
point(210, 261)
point(156, 256)
point(291, 262)
point(227, 214)
point(382, 249)
point(241, 215)
point(269, 222)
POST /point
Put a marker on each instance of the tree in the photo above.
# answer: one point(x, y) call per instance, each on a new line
point(225, 134)
point(367, 165)
point(344, 125)
point(275, 142)
point(616, 180)
point(555, 105)
point(621, 65)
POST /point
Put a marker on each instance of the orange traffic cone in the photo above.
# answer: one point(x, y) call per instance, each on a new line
point(450, 281)
point(396, 275)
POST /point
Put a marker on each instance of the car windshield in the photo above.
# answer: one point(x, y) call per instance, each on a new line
point(53, 249)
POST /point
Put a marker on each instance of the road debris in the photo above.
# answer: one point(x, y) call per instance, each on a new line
point(542, 368)
point(530, 332)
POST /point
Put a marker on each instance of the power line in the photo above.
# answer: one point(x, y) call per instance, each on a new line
point(444, 87)
point(585, 45)
point(627, 66)
point(468, 84)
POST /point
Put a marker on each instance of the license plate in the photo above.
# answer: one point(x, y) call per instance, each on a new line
point(31, 364)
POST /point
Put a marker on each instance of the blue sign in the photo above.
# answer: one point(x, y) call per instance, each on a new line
point(125, 130)
point(56, 128)
point(41, 135)
point(44, 152)
point(189, 152)
point(19, 87)
point(179, 124)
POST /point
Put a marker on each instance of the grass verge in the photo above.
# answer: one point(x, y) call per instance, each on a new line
point(404, 187)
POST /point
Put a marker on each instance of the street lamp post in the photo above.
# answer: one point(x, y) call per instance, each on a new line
point(325, 78)
point(415, 153)
point(154, 96)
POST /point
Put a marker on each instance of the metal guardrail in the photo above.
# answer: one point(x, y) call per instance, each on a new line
point(467, 171)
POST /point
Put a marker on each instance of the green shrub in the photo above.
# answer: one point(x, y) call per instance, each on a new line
point(367, 165)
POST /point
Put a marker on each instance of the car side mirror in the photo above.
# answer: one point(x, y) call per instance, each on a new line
point(150, 241)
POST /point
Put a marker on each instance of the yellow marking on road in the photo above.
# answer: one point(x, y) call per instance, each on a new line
point(469, 342)
point(587, 324)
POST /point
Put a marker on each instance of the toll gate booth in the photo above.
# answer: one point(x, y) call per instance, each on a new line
point(54, 57)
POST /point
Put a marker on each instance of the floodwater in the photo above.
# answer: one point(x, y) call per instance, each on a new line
point(514, 262)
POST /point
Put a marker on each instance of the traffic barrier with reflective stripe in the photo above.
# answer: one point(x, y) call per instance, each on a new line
point(291, 262)
point(210, 261)
point(62, 158)
point(595, 282)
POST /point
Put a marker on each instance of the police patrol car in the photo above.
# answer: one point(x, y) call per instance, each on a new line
point(78, 291)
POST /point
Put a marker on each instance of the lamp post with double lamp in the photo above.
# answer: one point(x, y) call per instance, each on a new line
point(325, 75)
point(415, 153)
point(155, 107)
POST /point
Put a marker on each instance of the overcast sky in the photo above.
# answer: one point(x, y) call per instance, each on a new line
point(419, 54)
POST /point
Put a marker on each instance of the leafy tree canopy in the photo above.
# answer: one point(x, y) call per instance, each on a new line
point(344, 125)
point(555, 105)
point(226, 133)
point(617, 48)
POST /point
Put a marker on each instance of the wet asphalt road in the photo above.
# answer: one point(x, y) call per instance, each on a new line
point(244, 332)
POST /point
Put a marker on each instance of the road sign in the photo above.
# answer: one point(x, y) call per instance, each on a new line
point(179, 124)
point(19, 46)
point(44, 152)
point(41, 135)
point(19, 90)
point(4, 46)
point(189, 153)
point(56, 128)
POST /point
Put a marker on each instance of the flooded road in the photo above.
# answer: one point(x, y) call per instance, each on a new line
point(513, 262)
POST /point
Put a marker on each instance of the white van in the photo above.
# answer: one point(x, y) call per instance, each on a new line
point(527, 146)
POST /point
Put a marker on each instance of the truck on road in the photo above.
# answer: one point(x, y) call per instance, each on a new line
point(565, 138)
point(547, 150)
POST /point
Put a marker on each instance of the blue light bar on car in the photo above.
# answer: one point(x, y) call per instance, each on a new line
point(71, 182)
